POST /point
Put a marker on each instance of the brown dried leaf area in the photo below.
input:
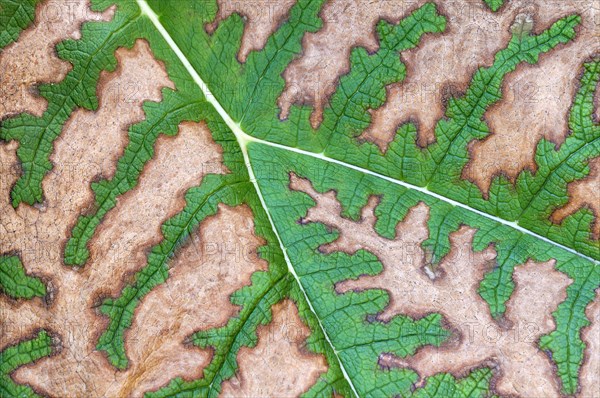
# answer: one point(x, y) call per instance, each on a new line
point(280, 365)
point(32, 59)
point(416, 288)
point(119, 247)
point(312, 78)
point(261, 18)
point(219, 260)
point(441, 66)
point(473, 35)
point(535, 98)
point(583, 193)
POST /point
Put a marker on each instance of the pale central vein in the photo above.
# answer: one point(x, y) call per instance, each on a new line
point(244, 139)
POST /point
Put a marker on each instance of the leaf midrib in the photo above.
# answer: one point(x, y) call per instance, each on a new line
point(245, 139)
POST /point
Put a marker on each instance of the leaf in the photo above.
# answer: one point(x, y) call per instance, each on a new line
point(18, 355)
point(15, 283)
point(207, 199)
point(494, 4)
point(16, 16)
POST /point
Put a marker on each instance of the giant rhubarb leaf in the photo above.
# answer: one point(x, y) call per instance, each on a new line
point(299, 198)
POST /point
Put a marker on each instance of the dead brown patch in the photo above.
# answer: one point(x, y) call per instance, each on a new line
point(39, 233)
point(416, 289)
point(139, 77)
point(261, 18)
point(279, 365)
point(535, 99)
point(219, 260)
point(19, 318)
point(32, 59)
point(590, 371)
point(121, 94)
point(9, 174)
point(133, 226)
point(312, 78)
point(583, 193)
point(533, 95)
point(473, 35)
point(119, 247)
point(79, 157)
